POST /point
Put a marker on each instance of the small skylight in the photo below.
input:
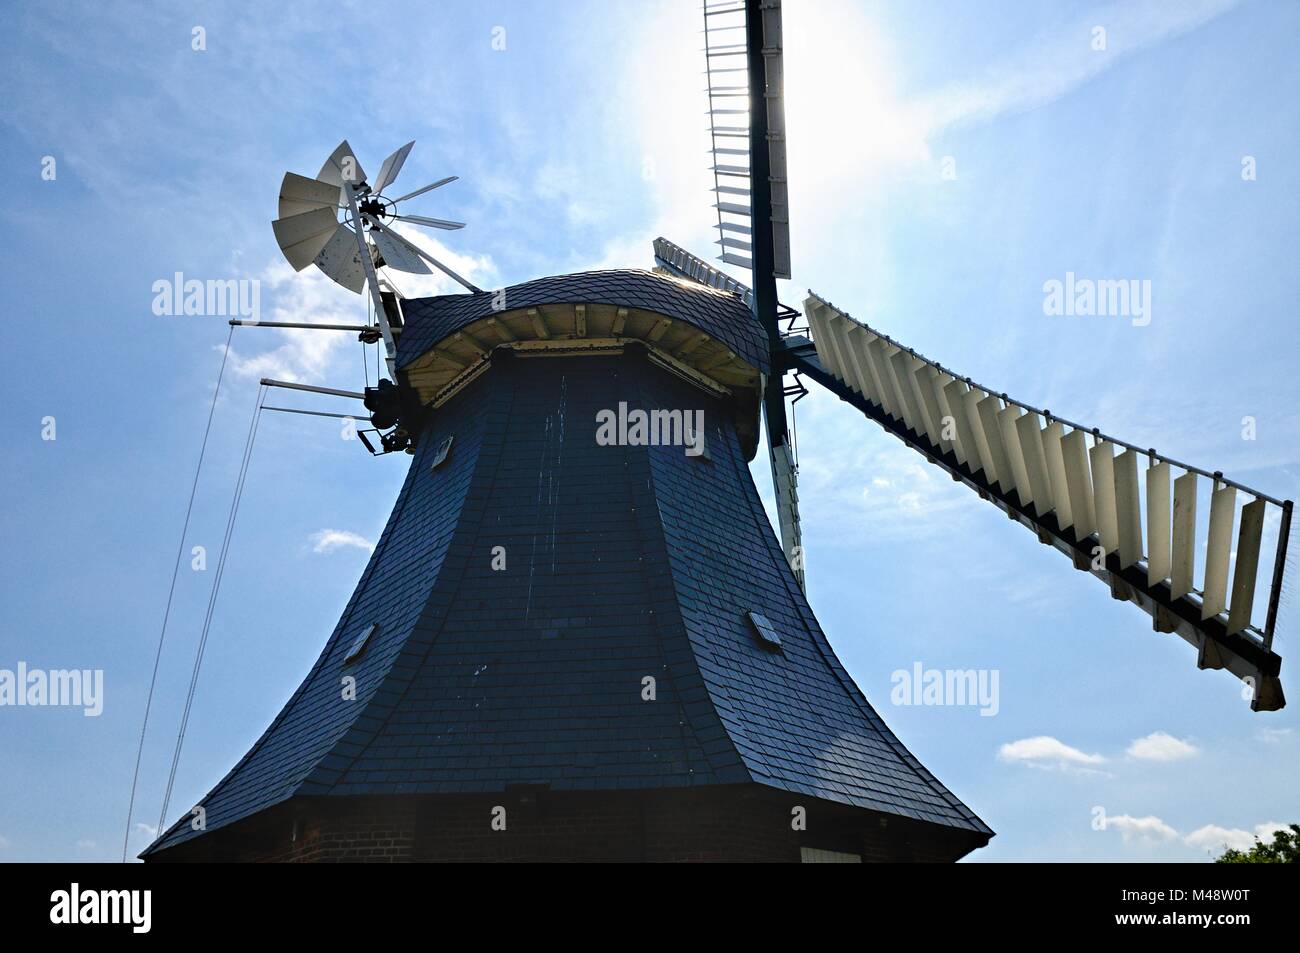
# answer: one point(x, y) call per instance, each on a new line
point(359, 646)
point(767, 636)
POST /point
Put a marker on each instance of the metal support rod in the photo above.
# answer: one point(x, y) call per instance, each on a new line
point(312, 389)
point(312, 413)
point(392, 233)
point(246, 323)
point(1279, 566)
point(372, 279)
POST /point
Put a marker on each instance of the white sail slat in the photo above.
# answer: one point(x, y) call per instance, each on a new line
point(1102, 457)
point(1158, 518)
point(1218, 551)
point(1055, 456)
point(1247, 567)
point(1128, 505)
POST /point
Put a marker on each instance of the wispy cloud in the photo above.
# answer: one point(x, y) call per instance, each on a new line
point(329, 540)
point(1160, 746)
point(1274, 736)
point(1044, 751)
point(1149, 829)
point(1054, 65)
point(1214, 838)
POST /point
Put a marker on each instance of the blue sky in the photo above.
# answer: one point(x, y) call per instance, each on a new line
point(576, 144)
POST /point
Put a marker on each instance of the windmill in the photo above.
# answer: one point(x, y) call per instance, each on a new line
point(581, 641)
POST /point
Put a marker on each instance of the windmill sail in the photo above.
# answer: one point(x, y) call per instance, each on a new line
point(728, 40)
point(1123, 513)
point(743, 64)
point(1081, 491)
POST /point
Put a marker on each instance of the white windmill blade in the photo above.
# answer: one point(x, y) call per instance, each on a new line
point(341, 164)
point(428, 188)
point(1084, 500)
point(340, 260)
point(391, 167)
point(726, 59)
point(302, 237)
point(300, 194)
point(380, 226)
point(396, 255)
point(430, 222)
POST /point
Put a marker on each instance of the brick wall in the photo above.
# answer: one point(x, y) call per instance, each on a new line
point(735, 823)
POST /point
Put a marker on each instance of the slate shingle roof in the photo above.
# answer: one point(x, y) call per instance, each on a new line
point(621, 562)
point(720, 314)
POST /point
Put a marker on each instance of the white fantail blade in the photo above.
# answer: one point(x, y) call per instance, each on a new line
point(427, 188)
point(391, 167)
point(299, 194)
point(1078, 481)
point(475, 289)
point(340, 260)
point(430, 222)
point(301, 237)
point(1128, 497)
point(1054, 454)
point(342, 164)
point(1218, 551)
point(1184, 539)
point(1102, 456)
point(1158, 523)
point(1243, 576)
point(396, 255)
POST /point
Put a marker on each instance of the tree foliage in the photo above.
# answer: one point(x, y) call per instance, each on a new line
point(1285, 849)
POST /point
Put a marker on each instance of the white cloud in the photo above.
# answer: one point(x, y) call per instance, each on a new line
point(4, 842)
point(86, 844)
point(1212, 837)
point(1147, 830)
point(149, 829)
point(1160, 746)
point(1051, 67)
point(1274, 735)
point(1046, 751)
point(328, 540)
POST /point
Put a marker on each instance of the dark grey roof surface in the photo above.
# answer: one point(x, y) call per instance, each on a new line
point(720, 314)
point(622, 562)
